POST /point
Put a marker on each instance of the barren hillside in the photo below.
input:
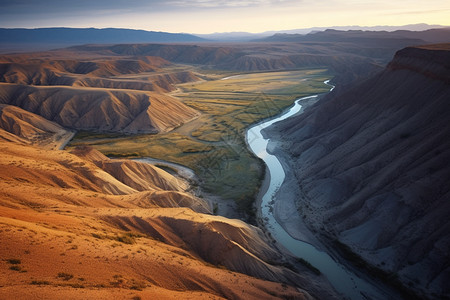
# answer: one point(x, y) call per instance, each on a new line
point(100, 109)
point(83, 226)
point(69, 228)
point(372, 165)
point(96, 92)
point(24, 127)
point(143, 73)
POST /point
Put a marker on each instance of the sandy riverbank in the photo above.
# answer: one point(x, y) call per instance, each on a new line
point(285, 208)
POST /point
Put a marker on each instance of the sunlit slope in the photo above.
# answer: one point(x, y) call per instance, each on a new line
point(72, 217)
point(143, 73)
point(97, 93)
point(17, 125)
point(100, 109)
point(79, 222)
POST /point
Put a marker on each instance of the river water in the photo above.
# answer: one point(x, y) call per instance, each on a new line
point(343, 280)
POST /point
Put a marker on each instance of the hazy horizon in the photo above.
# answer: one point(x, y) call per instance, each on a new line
point(212, 16)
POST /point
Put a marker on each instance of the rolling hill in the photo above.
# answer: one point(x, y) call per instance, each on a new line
point(97, 93)
point(26, 128)
point(80, 223)
point(100, 110)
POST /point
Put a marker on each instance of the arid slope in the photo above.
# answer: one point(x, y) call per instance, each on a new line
point(96, 93)
point(71, 229)
point(99, 109)
point(83, 226)
point(24, 127)
point(147, 72)
point(372, 165)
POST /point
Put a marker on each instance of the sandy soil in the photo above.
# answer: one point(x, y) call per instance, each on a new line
point(65, 233)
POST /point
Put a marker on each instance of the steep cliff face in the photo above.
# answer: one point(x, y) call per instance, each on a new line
point(372, 163)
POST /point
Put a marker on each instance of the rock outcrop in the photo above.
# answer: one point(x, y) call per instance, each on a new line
point(372, 166)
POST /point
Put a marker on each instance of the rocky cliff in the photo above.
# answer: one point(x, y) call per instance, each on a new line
point(372, 164)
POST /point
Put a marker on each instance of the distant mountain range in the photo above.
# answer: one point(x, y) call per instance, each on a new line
point(46, 38)
point(441, 35)
point(246, 36)
point(20, 39)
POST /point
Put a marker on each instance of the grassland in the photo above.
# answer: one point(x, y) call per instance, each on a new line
point(213, 145)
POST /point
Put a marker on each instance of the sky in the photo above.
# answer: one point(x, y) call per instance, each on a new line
point(209, 16)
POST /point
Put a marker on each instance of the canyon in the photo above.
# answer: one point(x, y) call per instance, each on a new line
point(366, 167)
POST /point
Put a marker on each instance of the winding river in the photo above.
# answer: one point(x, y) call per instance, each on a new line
point(343, 280)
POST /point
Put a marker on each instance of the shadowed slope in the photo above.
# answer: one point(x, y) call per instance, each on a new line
point(372, 163)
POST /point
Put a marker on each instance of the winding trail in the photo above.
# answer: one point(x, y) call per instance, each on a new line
point(343, 280)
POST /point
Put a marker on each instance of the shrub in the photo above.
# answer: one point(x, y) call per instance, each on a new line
point(14, 261)
point(40, 282)
point(65, 276)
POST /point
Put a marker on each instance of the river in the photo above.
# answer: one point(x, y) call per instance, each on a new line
point(343, 280)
